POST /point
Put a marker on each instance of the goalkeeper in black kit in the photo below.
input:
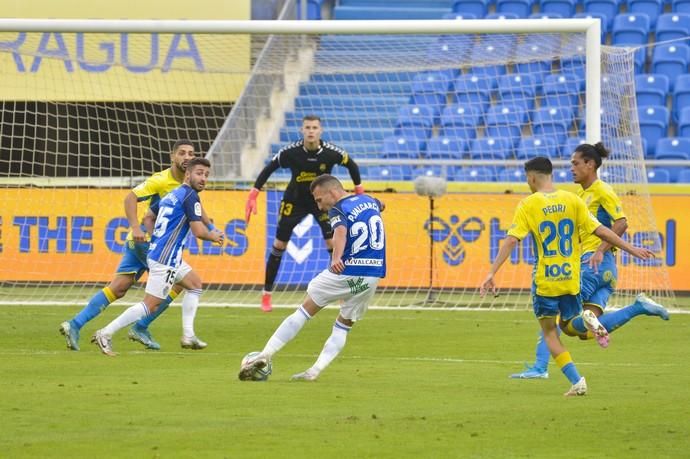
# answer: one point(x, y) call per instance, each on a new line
point(307, 159)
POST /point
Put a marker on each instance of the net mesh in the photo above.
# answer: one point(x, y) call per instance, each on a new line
point(87, 116)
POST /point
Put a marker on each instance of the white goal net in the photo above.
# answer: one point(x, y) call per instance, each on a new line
point(86, 116)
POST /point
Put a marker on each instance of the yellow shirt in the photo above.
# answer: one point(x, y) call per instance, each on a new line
point(153, 189)
point(553, 220)
point(604, 204)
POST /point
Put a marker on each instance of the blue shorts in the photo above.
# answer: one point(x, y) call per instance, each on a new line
point(596, 288)
point(568, 306)
point(134, 259)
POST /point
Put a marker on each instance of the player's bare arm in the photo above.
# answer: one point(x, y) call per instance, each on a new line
point(339, 239)
point(609, 236)
point(149, 221)
point(200, 231)
point(131, 213)
point(503, 254)
point(619, 227)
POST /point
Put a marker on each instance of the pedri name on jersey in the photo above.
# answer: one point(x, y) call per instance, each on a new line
point(359, 208)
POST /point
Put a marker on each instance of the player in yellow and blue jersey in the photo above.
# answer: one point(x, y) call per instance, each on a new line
point(554, 218)
point(133, 263)
point(598, 264)
point(357, 264)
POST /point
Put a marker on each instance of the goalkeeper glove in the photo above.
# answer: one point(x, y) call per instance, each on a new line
point(251, 207)
point(359, 189)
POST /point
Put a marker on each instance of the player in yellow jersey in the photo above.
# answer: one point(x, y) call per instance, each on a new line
point(553, 218)
point(133, 263)
point(598, 264)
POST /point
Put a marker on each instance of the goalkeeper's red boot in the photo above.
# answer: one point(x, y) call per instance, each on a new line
point(266, 305)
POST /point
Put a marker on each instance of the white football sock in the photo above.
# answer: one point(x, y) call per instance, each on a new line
point(334, 344)
point(190, 303)
point(286, 331)
point(131, 315)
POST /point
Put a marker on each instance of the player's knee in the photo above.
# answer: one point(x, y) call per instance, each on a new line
point(278, 251)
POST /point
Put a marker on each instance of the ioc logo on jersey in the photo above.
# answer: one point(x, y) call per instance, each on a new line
point(454, 233)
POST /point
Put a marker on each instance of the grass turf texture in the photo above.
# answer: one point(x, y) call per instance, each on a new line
point(408, 384)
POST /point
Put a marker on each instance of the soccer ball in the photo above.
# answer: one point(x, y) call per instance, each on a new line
point(261, 374)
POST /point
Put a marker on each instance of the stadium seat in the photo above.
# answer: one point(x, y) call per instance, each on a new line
point(430, 89)
point(446, 148)
point(651, 89)
point(545, 16)
point(561, 90)
point(627, 146)
point(473, 90)
point(478, 8)
point(607, 8)
point(529, 51)
point(552, 122)
point(680, 6)
point(601, 17)
point(505, 122)
point(490, 148)
point(398, 147)
point(386, 12)
point(610, 117)
point(684, 176)
point(631, 29)
point(652, 8)
point(447, 52)
point(511, 174)
point(501, 16)
point(475, 174)
point(684, 123)
point(654, 121)
point(488, 50)
point(313, 10)
point(390, 172)
point(681, 95)
point(672, 26)
point(671, 59)
point(521, 8)
point(529, 147)
point(460, 16)
point(446, 172)
point(518, 90)
point(563, 8)
point(461, 121)
point(569, 146)
point(562, 175)
point(415, 121)
point(659, 175)
point(673, 148)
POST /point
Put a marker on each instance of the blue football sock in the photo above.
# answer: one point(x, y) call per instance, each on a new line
point(96, 304)
point(145, 321)
point(565, 362)
point(615, 319)
point(543, 355)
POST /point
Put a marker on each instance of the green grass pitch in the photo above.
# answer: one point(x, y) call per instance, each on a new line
point(422, 384)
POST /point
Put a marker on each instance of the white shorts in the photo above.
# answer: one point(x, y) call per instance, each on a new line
point(163, 277)
point(356, 291)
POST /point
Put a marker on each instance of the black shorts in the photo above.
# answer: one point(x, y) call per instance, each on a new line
point(291, 215)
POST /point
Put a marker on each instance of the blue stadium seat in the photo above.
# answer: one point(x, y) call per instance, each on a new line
point(627, 145)
point(415, 121)
point(460, 16)
point(473, 90)
point(552, 122)
point(501, 16)
point(562, 175)
point(680, 6)
point(476, 174)
point(505, 121)
point(654, 121)
point(521, 8)
point(518, 90)
point(478, 8)
point(681, 95)
point(446, 148)
point(430, 89)
point(564, 8)
point(313, 10)
point(659, 175)
point(545, 16)
point(671, 59)
point(673, 148)
point(684, 176)
point(651, 89)
point(446, 52)
point(631, 29)
point(531, 51)
point(511, 174)
point(561, 90)
point(610, 116)
point(389, 172)
point(601, 17)
point(398, 147)
point(529, 147)
point(672, 26)
point(571, 143)
point(434, 171)
point(652, 8)
point(461, 121)
point(607, 8)
point(386, 12)
point(490, 148)
point(684, 123)
point(489, 51)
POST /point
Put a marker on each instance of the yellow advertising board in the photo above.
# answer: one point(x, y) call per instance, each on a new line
point(77, 235)
point(124, 67)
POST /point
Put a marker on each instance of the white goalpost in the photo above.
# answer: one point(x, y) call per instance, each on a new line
point(90, 108)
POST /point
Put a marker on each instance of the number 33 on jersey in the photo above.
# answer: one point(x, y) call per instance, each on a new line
point(365, 247)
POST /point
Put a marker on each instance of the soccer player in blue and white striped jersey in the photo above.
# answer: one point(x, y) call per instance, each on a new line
point(178, 213)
